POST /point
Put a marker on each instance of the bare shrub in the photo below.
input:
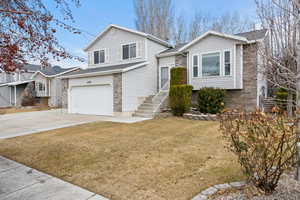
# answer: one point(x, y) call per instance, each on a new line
point(264, 144)
point(28, 96)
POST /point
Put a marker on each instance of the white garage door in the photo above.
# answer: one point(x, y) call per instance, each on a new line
point(92, 100)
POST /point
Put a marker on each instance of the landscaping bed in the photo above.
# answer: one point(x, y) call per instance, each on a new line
point(161, 159)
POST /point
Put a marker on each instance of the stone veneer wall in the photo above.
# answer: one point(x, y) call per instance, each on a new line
point(247, 97)
point(65, 86)
point(117, 88)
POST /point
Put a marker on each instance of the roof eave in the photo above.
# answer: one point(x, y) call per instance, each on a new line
point(107, 29)
point(52, 76)
point(148, 36)
point(105, 72)
point(163, 55)
point(243, 39)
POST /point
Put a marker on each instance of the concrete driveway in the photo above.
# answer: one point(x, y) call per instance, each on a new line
point(12, 125)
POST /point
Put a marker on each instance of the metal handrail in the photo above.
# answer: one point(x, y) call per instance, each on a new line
point(162, 90)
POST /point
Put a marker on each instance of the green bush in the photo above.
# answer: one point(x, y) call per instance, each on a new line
point(281, 96)
point(180, 97)
point(211, 100)
point(178, 76)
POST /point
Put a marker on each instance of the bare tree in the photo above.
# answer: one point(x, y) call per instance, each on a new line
point(232, 23)
point(180, 30)
point(155, 17)
point(27, 32)
point(200, 23)
point(282, 64)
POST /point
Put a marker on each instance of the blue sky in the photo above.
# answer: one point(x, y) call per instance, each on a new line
point(94, 15)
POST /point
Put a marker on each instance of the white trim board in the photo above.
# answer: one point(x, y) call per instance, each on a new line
point(105, 72)
point(100, 35)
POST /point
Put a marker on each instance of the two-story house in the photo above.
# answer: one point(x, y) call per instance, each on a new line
point(48, 87)
point(128, 71)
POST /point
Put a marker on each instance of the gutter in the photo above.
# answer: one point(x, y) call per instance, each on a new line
point(169, 54)
point(105, 72)
point(52, 76)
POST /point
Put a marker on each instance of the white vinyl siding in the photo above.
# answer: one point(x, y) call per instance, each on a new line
point(112, 42)
point(214, 44)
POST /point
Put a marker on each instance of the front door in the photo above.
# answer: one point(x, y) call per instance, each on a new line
point(164, 76)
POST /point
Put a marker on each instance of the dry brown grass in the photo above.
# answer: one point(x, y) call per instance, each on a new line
point(161, 159)
point(19, 110)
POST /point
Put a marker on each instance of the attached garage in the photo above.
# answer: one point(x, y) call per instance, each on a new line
point(92, 100)
point(102, 90)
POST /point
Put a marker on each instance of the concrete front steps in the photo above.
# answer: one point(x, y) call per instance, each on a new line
point(151, 105)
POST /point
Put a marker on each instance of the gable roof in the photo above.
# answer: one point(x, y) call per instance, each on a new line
point(106, 70)
point(146, 35)
point(254, 35)
point(247, 37)
point(215, 33)
point(54, 71)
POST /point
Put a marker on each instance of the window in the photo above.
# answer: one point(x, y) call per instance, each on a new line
point(195, 66)
point(227, 63)
point(129, 51)
point(99, 56)
point(96, 57)
point(211, 64)
point(40, 86)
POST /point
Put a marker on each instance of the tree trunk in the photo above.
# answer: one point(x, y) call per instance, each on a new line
point(297, 4)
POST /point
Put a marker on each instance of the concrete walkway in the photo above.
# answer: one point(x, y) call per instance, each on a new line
point(18, 182)
point(12, 125)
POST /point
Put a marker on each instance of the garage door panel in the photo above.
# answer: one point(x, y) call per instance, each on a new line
point(92, 100)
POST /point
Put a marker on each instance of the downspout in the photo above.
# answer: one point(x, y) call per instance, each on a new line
point(15, 95)
point(10, 100)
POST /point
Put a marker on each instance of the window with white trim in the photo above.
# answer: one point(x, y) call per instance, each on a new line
point(129, 51)
point(195, 65)
point(227, 63)
point(99, 56)
point(40, 86)
point(211, 64)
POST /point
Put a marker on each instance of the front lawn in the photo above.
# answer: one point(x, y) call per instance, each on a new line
point(161, 159)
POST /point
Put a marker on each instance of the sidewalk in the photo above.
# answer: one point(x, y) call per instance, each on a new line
point(20, 182)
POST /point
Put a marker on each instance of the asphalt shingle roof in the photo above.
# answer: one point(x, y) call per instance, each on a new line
point(30, 67)
point(253, 35)
point(104, 69)
point(48, 71)
point(175, 49)
point(51, 71)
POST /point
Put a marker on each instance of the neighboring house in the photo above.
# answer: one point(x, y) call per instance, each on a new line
point(12, 84)
point(48, 86)
point(129, 71)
